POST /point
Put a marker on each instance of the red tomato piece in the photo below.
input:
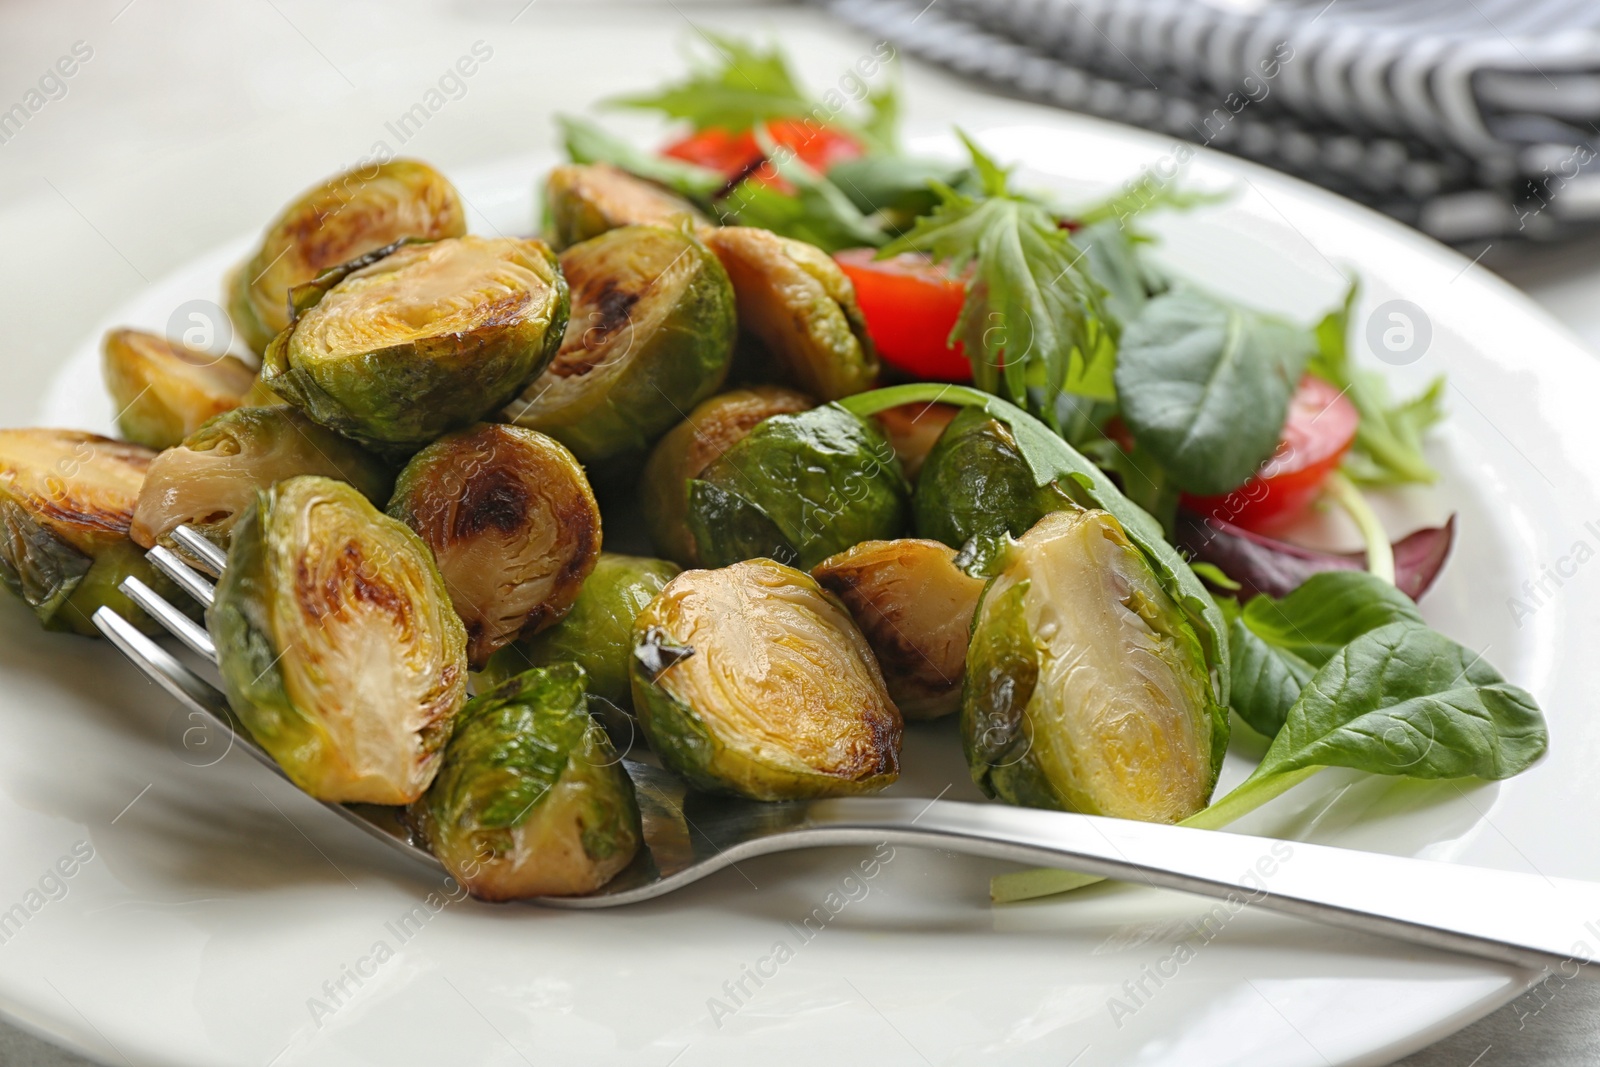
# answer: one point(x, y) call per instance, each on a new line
point(1319, 431)
point(911, 304)
point(738, 155)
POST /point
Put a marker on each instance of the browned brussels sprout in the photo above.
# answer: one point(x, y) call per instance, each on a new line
point(650, 336)
point(66, 500)
point(800, 306)
point(209, 479)
point(712, 428)
point(915, 607)
point(597, 633)
point(164, 391)
point(396, 350)
point(798, 488)
point(752, 680)
point(337, 644)
point(342, 219)
point(532, 800)
point(1087, 689)
point(512, 523)
point(584, 200)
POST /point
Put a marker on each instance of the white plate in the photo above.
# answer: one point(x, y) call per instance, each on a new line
point(222, 910)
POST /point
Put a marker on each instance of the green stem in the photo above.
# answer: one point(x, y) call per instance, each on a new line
point(1246, 797)
point(1380, 553)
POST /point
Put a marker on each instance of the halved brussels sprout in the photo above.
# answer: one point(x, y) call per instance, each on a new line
point(650, 336)
point(395, 350)
point(976, 483)
point(584, 200)
point(597, 633)
point(913, 430)
point(752, 680)
point(164, 391)
point(66, 500)
point(914, 605)
point(531, 799)
point(344, 218)
point(337, 644)
point(512, 523)
point(713, 427)
point(798, 488)
point(794, 299)
point(209, 479)
point(1086, 688)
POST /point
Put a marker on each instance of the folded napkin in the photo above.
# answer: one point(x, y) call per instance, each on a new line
point(1470, 119)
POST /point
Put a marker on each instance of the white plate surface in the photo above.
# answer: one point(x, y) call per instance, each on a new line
point(224, 919)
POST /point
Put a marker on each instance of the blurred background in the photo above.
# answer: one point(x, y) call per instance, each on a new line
point(134, 134)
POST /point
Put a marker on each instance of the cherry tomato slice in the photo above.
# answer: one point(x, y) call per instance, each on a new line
point(911, 304)
point(738, 154)
point(1319, 431)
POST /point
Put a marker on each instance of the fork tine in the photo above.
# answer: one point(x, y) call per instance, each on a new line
point(168, 563)
point(159, 666)
point(210, 558)
point(177, 623)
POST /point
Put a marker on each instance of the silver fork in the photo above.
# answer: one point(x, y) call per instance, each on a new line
point(1523, 919)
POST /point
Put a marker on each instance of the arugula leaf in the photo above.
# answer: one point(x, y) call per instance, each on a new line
point(1388, 445)
point(1032, 315)
point(1205, 386)
point(1053, 460)
point(588, 143)
point(1399, 700)
point(739, 87)
point(1150, 193)
point(897, 185)
point(818, 212)
point(1277, 645)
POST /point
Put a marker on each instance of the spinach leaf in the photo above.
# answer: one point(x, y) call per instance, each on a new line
point(900, 185)
point(1053, 460)
point(1205, 386)
point(1404, 699)
point(1266, 680)
point(1277, 645)
point(1388, 446)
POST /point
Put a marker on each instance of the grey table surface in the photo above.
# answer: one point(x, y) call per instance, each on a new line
point(180, 91)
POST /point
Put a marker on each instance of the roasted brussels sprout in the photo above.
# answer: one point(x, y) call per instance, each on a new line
point(975, 483)
point(650, 336)
point(584, 200)
point(209, 479)
point(712, 428)
point(1086, 689)
point(800, 306)
point(512, 523)
point(163, 391)
point(914, 605)
point(913, 430)
point(344, 218)
point(336, 642)
point(396, 350)
point(752, 680)
point(597, 633)
point(798, 488)
point(531, 799)
point(66, 500)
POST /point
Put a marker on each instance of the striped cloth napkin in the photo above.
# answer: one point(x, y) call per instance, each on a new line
point(1469, 119)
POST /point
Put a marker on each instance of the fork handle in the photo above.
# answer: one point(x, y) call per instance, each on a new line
point(1526, 920)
